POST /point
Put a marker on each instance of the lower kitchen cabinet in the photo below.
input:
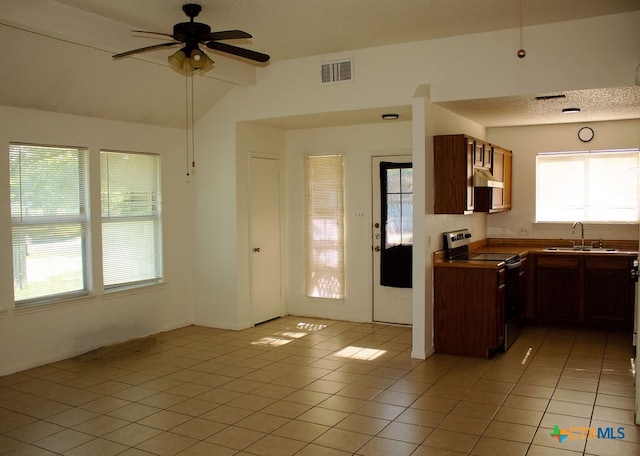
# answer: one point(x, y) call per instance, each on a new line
point(468, 310)
point(584, 290)
point(609, 291)
point(557, 288)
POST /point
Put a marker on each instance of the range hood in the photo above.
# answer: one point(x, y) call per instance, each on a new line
point(483, 178)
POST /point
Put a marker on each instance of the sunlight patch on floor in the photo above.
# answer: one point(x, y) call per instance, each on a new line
point(310, 326)
point(272, 341)
point(293, 335)
point(360, 353)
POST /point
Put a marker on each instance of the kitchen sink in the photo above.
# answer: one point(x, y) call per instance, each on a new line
point(580, 248)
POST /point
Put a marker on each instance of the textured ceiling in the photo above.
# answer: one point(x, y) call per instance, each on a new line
point(595, 105)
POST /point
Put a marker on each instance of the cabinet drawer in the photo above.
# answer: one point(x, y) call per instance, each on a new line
point(557, 262)
point(606, 263)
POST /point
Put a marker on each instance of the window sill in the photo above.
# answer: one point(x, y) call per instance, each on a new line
point(27, 309)
point(52, 305)
point(133, 289)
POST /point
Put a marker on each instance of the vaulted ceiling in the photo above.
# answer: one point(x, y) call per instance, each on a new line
point(59, 53)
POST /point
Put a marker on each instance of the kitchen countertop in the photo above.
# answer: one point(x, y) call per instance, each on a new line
point(523, 247)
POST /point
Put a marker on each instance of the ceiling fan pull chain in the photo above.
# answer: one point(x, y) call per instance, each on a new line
point(186, 99)
point(193, 125)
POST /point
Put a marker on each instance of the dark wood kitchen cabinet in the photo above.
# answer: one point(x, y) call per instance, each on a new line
point(609, 292)
point(453, 162)
point(557, 285)
point(495, 199)
point(454, 159)
point(468, 310)
point(584, 289)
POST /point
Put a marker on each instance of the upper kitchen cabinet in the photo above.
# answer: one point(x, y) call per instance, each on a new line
point(456, 159)
point(496, 199)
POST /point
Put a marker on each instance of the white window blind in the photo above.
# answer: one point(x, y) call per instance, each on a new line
point(131, 222)
point(49, 222)
point(589, 186)
point(324, 227)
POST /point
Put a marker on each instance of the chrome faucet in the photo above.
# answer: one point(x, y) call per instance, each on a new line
point(573, 230)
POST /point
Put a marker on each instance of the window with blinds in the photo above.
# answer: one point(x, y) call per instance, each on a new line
point(589, 186)
point(49, 217)
point(131, 222)
point(324, 227)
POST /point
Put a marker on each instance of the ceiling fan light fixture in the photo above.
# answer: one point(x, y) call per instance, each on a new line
point(177, 59)
point(198, 60)
point(208, 63)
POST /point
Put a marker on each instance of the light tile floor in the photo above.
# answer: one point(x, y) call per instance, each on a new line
point(302, 386)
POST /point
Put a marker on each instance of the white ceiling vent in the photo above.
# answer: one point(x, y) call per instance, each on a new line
point(340, 71)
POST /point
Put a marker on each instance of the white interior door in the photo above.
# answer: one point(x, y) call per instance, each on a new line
point(392, 178)
point(266, 300)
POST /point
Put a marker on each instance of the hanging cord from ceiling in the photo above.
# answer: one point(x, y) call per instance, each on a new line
point(189, 118)
point(521, 52)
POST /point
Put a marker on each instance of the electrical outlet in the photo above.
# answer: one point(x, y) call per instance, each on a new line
point(524, 230)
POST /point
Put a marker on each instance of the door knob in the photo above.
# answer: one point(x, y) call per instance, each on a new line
point(376, 248)
point(256, 249)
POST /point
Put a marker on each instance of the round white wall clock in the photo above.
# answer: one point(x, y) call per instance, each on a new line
point(585, 134)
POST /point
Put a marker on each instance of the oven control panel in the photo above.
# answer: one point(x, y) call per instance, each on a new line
point(458, 238)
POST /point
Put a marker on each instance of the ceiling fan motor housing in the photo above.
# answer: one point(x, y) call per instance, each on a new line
point(191, 31)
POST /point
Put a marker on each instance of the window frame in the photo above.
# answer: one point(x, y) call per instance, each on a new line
point(155, 216)
point(587, 155)
point(82, 218)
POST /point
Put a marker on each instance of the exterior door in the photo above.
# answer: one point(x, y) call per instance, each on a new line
point(392, 178)
point(266, 300)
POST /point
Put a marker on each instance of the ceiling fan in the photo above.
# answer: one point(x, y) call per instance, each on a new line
point(191, 34)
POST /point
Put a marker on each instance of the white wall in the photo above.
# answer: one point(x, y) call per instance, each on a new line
point(526, 142)
point(35, 336)
point(358, 144)
point(473, 66)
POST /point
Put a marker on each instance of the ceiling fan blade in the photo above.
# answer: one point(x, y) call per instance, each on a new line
point(144, 49)
point(152, 33)
point(228, 35)
point(241, 52)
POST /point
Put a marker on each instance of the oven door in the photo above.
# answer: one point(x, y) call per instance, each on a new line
point(513, 306)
